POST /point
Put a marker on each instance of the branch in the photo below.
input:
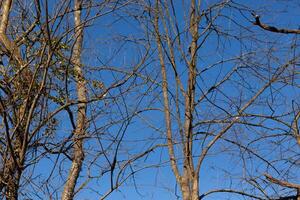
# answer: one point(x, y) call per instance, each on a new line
point(280, 70)
point(9, 45)
point(273, 28)
point(295, 127)
point(281, 183)
point(229, 191)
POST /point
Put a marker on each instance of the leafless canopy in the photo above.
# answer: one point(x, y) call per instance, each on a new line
point(97, 95)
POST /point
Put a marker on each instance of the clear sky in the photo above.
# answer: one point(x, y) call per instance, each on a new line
point(102, 42)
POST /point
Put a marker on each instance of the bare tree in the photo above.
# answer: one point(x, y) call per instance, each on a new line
point(206, 100)
point(43, 81)
point(91, 90)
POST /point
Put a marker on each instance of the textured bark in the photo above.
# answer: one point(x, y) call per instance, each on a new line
point(189, 183)
point(190, 187)
point(78, 156)
point(11, 178)
point(12, 167)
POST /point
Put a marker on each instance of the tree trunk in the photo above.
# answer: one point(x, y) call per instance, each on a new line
point(190, 182)
point(190, 188)
point(11, 177)
point(12, 187)
point(78, 156)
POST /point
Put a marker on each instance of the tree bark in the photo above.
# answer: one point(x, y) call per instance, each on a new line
point(79, 132)
point(12, 178)
point(12, 169)
point(188, 179)
point(166, 98)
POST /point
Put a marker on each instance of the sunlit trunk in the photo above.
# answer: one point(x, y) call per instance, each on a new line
point(78, 156)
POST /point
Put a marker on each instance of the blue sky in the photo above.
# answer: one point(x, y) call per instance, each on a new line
point(102, 42)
